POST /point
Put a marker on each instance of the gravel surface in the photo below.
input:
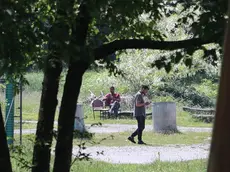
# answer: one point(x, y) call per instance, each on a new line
point(147, 154)
point(113, 128)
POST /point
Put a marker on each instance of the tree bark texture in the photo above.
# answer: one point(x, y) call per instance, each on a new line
point(219, 156)
point(77, 67)
point(63, 151)
point(48, 104)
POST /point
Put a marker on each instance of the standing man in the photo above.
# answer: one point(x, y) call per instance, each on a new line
point(140, 114)
point(112, 100)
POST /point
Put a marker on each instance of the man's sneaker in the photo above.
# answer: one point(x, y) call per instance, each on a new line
point(131, 139)
point(141, 143)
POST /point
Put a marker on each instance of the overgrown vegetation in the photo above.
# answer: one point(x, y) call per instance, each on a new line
point(190, 87)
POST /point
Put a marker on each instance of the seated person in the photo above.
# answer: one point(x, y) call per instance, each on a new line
point(112, 100)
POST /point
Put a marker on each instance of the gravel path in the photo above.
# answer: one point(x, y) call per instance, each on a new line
point(147, 154)
point(113, 128)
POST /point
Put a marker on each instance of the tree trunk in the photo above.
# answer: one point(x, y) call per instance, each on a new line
point(48, 104)
point(5, 164)
point(63, 151)
point(77, 68)
point(220, 147)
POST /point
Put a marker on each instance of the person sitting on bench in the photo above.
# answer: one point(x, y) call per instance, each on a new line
point(112, 100)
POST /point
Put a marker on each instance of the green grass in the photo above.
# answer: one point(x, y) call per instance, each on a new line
point(184, 119)
point(28, 126)
point(25, 126)
point(157, 166)
point(151, 138)
point(191, 166)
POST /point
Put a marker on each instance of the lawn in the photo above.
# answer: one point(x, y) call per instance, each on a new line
point(191, 166)
point(151, 138)
point(157, 166)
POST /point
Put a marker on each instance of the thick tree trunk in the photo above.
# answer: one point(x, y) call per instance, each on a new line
point(77, 68)
point(220, 147)
point(5, 164)
point(63, 153)
point(48, 104)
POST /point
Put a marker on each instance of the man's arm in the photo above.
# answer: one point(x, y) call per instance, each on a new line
point(118, 98)
point(140, 101)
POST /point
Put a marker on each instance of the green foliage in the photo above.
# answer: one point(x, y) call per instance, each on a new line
point(35, 23)
point(188, 95)
point(21, 155)
point(182, 26)
point(180, 84)
point(208, 88)
point(35, 81)
point(21, 35)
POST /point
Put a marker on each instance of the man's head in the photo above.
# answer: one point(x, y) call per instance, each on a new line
point(144, 89)
point(112, 89)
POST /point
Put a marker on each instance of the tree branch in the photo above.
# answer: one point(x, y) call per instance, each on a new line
point(104, 50)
